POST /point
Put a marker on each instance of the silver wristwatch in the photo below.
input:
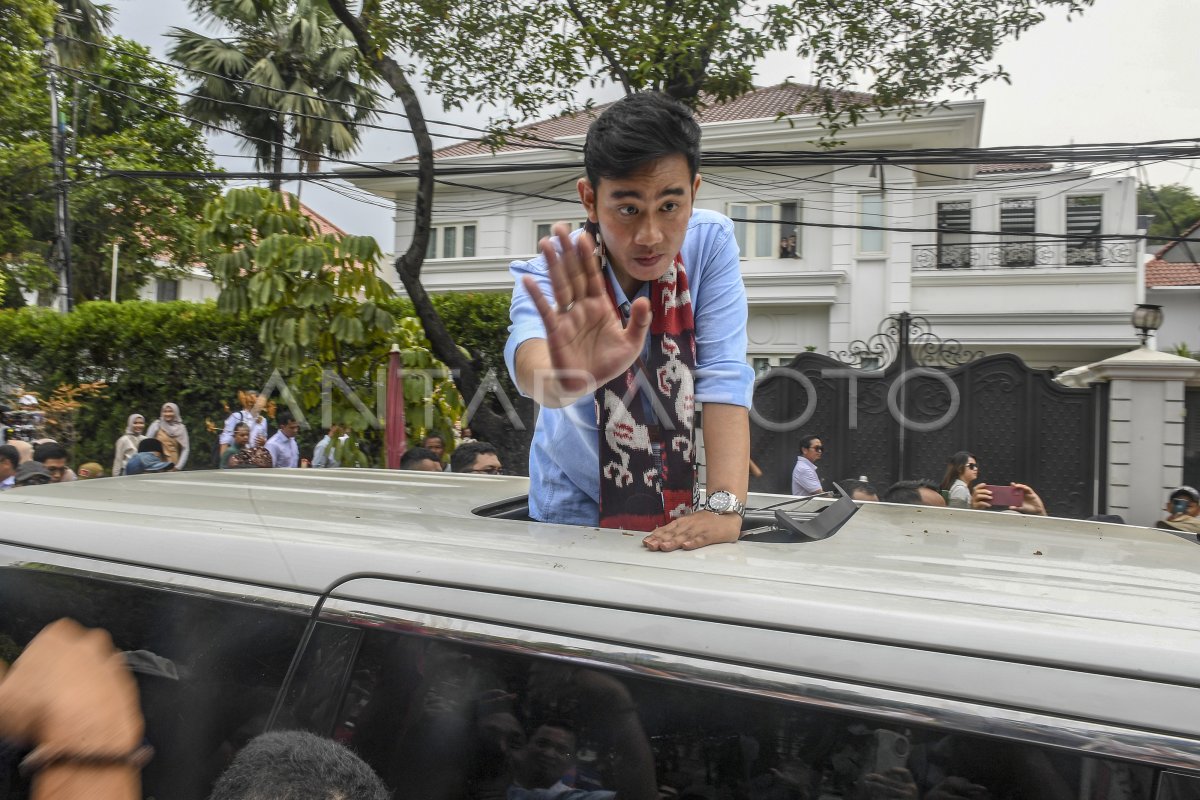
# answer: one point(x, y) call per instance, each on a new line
point(724, 502)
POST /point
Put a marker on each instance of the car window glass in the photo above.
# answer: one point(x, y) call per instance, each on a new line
point(207, 669)
point(440, 719)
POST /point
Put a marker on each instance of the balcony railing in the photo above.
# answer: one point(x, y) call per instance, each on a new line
point(1022, 255)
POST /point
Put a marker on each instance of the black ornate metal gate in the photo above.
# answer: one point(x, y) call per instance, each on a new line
point(925, 399)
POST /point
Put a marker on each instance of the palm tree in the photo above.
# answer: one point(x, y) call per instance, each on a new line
point(293, 45)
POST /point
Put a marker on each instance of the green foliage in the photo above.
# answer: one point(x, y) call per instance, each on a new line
point(197, 356)
point(152, 220)
point(298, 46)
point(147, 353)
point(325, 319)
point(902, 55)
point(1172, 202)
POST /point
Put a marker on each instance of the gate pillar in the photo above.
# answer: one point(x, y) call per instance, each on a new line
point(1145, 428)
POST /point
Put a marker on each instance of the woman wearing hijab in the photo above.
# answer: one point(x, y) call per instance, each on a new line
point(135, 429)
point(170, 430)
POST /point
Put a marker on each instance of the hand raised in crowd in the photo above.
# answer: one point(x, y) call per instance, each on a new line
point(71, 694)
point(586, 343)
point(895, 784)
point(981, 499)
point(958, 789)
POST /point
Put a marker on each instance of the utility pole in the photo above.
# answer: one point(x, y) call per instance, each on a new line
point(61, 252)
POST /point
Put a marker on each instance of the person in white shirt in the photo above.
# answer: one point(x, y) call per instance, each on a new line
point(252, 415)
point(282, 446)
point(805, 480)
point(323, 453)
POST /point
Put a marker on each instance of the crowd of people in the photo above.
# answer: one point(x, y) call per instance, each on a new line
point(962, 487)
point(245, 441)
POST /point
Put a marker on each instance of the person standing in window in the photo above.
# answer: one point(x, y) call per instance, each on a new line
point(170, 430)
point(805, 480)
point(962, 470)
point(620, 329)
point(135, 428)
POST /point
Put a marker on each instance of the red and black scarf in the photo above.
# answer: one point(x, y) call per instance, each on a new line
point(647, 418)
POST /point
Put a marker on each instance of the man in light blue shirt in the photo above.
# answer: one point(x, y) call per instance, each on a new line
point(805, 480)
point(282, 446)
point(581, 314)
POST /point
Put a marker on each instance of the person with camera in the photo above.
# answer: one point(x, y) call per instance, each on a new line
point(1183, 510)
point(1015, 498)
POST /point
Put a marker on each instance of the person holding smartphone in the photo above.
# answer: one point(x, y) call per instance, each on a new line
point(1183, 510)
point(1014, 497)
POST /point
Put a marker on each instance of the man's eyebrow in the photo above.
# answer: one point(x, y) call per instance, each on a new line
point(622, 194)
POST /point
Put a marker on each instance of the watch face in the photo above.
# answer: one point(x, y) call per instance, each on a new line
point(720, 502)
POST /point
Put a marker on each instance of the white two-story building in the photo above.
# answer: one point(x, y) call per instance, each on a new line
point(984, 280)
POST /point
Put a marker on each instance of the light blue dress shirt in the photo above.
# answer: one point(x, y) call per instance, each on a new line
point(564, 457)
point(284, 450)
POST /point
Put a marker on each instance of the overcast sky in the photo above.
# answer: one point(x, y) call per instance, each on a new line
point(1123, 72)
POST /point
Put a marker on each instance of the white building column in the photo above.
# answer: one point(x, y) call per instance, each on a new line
point(1145, 428)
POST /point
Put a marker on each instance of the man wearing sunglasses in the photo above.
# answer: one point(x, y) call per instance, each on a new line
point(805, 480)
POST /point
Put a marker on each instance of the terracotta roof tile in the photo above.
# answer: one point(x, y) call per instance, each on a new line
point(762, 103)
point(1164, 273)
point(989, 169)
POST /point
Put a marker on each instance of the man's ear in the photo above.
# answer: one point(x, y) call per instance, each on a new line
point(695, 186)
point(587, 196)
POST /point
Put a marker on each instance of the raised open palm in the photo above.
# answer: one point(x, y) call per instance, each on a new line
point(587, 344)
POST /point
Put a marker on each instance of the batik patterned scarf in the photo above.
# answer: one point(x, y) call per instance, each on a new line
point(648, 456)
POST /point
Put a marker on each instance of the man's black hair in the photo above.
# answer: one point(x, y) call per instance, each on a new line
point(637, 130)
point(852, 485)
point(297, 765)
point(466, 453)
point(415, 455)
point(283, 418)
point(49, 450)
point(245, 425)
point(150, 446)
point(9, 453)
point(807, 439)
point(434, 435)
point(909, 492)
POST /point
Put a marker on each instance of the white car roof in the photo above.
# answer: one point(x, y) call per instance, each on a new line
point(1044, 593)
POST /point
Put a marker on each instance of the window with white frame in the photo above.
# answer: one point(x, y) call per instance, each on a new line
point(767, 230)
point(954, 234)
point(542, 229)
point(455, 240)
point(1018, 221)
point(1085, 215)
point(870, 213)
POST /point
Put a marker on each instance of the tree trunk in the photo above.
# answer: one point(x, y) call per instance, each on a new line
point(489, 422)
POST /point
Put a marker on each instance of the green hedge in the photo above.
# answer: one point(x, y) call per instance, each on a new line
point(187, 353)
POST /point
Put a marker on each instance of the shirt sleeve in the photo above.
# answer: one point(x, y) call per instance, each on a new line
point(525, 321)
point(226, 436)
point(720, 311)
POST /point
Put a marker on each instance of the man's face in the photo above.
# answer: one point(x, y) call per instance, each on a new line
point(546, 757)
point(931, 497)
point(241, 437)
point(291, 429)
point(57, 467)
point(435, 444)
point(643, 217)
point(7, 470)
point(428, 465)
point(814, 451)
point(485, 464)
